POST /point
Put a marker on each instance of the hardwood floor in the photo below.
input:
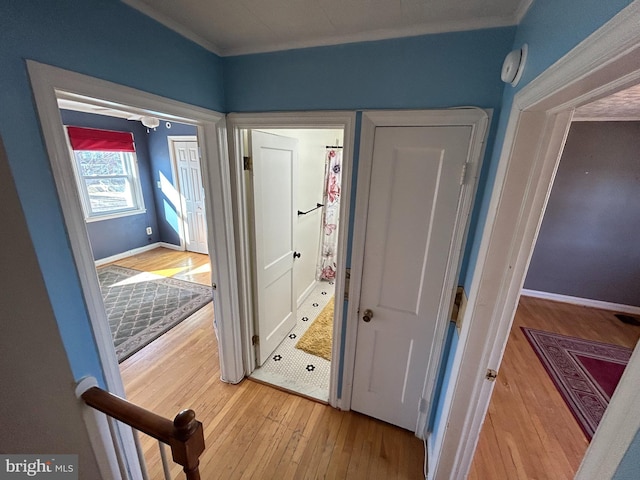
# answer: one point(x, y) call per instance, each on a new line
point(251, 430)
point(529, 432)
point(189, 266)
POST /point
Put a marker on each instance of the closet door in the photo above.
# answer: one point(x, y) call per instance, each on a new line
point(413, 204)
point(187, 160)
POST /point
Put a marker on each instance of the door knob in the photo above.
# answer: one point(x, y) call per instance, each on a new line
point(367, 316)
point(296, 255)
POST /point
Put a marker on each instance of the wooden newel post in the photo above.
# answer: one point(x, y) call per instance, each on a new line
point(187, 443)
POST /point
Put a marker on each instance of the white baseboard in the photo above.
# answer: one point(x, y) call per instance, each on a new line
point(430, 455)
point(585, 302)
point(136, 251)
point(171, 246)
point(307, 292)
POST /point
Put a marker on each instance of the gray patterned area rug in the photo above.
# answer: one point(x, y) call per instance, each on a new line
point(141, 306)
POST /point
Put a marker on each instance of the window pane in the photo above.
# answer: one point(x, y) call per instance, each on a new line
point(109, 194)
point(101, 163)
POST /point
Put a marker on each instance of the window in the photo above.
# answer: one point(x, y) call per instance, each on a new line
point(106, 172)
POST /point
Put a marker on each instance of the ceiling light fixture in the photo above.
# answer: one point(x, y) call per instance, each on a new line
point(150, 122)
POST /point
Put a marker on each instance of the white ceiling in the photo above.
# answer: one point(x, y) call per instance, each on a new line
point(623, 105)
point(235, 27)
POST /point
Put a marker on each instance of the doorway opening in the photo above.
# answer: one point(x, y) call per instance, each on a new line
point(293, 195)
point(49, 84)
point(579, 283)
point(285, 176)
point(142, 197)
point(605, 63)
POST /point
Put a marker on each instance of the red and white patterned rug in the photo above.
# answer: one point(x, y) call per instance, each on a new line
point(585, 373)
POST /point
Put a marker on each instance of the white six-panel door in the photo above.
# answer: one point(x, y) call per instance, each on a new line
point(191, 195)
point(413, 201)
point(275, 160)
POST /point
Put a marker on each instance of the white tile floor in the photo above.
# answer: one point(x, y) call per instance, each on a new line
point(293, 369)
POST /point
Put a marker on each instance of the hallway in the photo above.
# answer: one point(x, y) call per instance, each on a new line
point(252, 430)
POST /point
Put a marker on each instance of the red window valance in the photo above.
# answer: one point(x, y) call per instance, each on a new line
point(102, 140)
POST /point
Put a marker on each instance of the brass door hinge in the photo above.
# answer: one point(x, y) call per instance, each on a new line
point(463, 174)
point(255, 340)
point(248, 163)
point(491, 375)
point(459, 306)
point(347, 279)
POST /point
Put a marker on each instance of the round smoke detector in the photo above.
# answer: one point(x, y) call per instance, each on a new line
point(513, 65)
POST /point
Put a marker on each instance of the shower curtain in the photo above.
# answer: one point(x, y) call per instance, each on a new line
point(331, 212)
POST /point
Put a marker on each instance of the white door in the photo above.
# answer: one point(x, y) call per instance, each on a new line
point(191, 195)
point(413, 202)
point(275, 160)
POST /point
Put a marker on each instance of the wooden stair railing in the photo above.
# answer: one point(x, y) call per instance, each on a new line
point(184, 435)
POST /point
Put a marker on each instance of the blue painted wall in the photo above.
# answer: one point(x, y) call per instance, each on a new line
point(167, 217)
point(428, 71)
point(104, 39)
point(544, 28)
point(629, 467)
point(117, 235)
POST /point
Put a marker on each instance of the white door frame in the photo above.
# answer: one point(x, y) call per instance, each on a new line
point(605, 62)
point(478, 120)
point(318, 120)
point(171, 139)
point(48, 84)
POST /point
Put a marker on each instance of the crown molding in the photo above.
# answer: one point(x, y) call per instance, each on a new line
point(323, 41)
point(371, 36)
point(172, 24)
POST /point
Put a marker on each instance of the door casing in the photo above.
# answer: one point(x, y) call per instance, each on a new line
point(236, 122)
point(478, 119)
point(50, 83)
point(605, 62)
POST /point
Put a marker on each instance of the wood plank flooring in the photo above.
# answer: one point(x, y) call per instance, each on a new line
point(189, 266)
point(251, 430)
point(529, 432)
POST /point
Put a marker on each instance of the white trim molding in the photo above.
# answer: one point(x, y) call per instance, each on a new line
point(539, 120)
point(321, 119)
point(51, 83)
point(171, 246)
point(583, 302)
point(99, 432)
point(307, 291)
point(381, 34)
point(478, 120)
point(478, 23)
point(127, 254)
point(136, 251)
point(172, 24)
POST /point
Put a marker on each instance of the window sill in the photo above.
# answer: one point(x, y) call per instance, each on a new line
point(113, 216)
